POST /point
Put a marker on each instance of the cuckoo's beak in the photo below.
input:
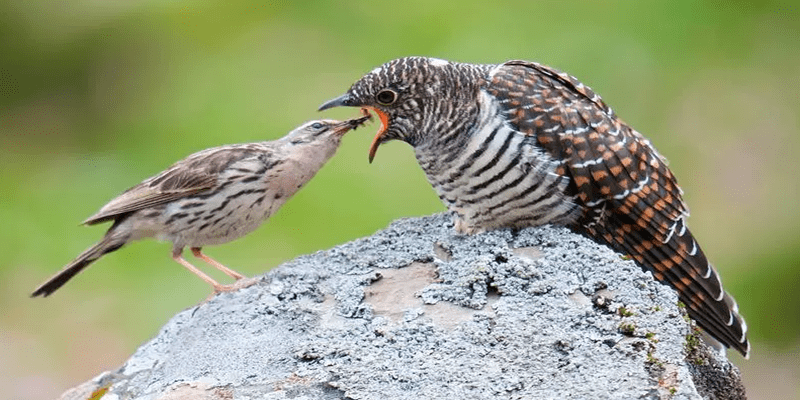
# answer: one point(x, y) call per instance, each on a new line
point(345, 100)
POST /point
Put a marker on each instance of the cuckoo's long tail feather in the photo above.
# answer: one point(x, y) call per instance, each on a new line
point(679, 262)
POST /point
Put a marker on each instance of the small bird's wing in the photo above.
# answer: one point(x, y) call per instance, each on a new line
point(631, 198)
point(195, 174)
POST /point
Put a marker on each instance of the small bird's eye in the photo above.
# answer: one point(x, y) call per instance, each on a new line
point(386, 97)
point(317, 125)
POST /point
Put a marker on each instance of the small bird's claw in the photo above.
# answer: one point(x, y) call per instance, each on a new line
point(239, 284)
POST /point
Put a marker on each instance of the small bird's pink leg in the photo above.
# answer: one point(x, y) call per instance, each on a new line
point(179, 258)
point(199, 254)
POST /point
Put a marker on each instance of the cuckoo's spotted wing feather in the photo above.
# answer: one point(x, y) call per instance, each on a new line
point(197, 173)
point(630, 198)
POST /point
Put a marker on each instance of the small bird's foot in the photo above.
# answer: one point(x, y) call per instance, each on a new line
point(246, 282)
point(239, 284)
point(221, 289)
point(225, 288)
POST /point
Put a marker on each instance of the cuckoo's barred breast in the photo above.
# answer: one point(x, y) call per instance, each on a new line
point(502, 179)
point(521, 144)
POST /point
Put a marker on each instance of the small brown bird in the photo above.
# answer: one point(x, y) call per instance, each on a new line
point(520, 144)
point(212, 197)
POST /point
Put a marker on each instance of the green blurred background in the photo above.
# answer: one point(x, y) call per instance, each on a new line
point(96, 96)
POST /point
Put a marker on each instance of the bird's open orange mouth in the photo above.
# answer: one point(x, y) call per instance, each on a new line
point(376, 141)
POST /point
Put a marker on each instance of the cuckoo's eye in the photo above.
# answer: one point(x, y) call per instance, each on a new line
point(317, 126)
point(386, 97)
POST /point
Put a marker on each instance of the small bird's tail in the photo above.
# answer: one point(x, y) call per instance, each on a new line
point(109, 243)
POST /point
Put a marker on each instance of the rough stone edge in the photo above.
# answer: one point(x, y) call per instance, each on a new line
point(710, 373)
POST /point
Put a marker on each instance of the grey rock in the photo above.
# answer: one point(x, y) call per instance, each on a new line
point(418, 312)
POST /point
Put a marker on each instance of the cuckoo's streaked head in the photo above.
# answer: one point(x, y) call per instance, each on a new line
point(413, 97)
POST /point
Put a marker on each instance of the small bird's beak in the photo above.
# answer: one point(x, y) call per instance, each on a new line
point(343, 100)
point(345, 126)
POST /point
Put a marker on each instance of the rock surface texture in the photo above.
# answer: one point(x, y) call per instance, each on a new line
point(418, 312)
